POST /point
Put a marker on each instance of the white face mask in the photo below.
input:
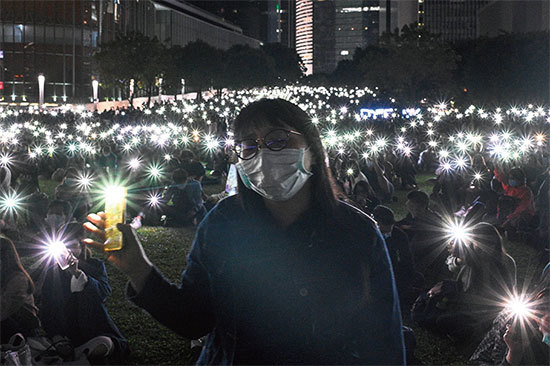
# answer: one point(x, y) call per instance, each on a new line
point(276, 175)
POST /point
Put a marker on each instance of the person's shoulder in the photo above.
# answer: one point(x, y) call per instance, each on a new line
point(18, 280)
point(18, 277)
point(93, 266)
point(398, 232)
point(352, 216)
point(227, 208)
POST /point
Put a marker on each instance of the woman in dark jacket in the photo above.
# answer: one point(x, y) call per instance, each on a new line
point(283, 272)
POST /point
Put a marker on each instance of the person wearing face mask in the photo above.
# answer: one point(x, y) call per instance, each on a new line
point(364, 197)
point(422, 226)
point(507, 344)
point(282, 272)
point(58, 215)
point(186, 196)
point(400, 254)
point(70, 190)
point(514, 186)
point(72, 307)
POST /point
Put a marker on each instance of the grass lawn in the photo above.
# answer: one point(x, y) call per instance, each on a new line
point(151, 343)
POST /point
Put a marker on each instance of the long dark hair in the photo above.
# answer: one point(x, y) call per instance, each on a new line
point(11, 264)
point(489, 252)
point(281, 113)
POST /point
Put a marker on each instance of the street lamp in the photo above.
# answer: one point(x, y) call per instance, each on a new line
point(41, 80)
point(131, 91)
point(182, 88)
point(95, 85)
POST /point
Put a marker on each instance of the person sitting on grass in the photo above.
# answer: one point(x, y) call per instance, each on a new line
point(485, 273)
point(18, 311)
point(193, 191)
point(400, 254)
point(422, 227)
point(181, 211)
point(519, 214)
point(382, 187)
point(364, 197)
point(507, 344)
point(70, 191)
point(73, 305)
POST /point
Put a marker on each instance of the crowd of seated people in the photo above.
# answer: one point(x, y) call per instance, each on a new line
point(63, 310)
point(451, 286)
point(456, 286)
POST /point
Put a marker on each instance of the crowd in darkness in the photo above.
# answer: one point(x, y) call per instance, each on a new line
point(451, 270)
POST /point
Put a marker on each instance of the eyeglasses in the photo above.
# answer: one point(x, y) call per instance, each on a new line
point(274, 140)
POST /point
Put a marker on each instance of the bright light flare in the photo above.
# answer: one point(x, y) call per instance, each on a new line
point(6, 160)
point(84, 181)
point(134, 163)
point(154, 199)
point(10, 203)
point(458, 232)
point(155, 171)
point(520, 308)
point(57, 249)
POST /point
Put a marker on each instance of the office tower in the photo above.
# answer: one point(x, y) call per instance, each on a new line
point(328, 32)
point(454, 20)
point(57, 38)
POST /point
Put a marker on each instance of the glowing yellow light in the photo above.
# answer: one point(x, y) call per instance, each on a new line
point(115, 208)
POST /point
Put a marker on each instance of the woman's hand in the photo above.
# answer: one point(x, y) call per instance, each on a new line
point(436, 290)
point(543, 323)
point(513, 340)
point(73, 266)
point(131, 259)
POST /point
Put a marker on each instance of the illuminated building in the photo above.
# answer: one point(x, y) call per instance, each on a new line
point(57, 38)
point(304, 33)
point(328, 32)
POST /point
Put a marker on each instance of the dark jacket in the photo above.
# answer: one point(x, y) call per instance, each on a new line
point(401, 259)
point(80, 316)
point(315, 292)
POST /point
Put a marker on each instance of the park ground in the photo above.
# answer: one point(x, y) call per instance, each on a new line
point(153, 344)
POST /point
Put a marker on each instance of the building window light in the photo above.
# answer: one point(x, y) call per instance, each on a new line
point(344, 52)
point(351, 10)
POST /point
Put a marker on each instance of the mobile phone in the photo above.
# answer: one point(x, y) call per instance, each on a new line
point(115, 210)
point(63, 258)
